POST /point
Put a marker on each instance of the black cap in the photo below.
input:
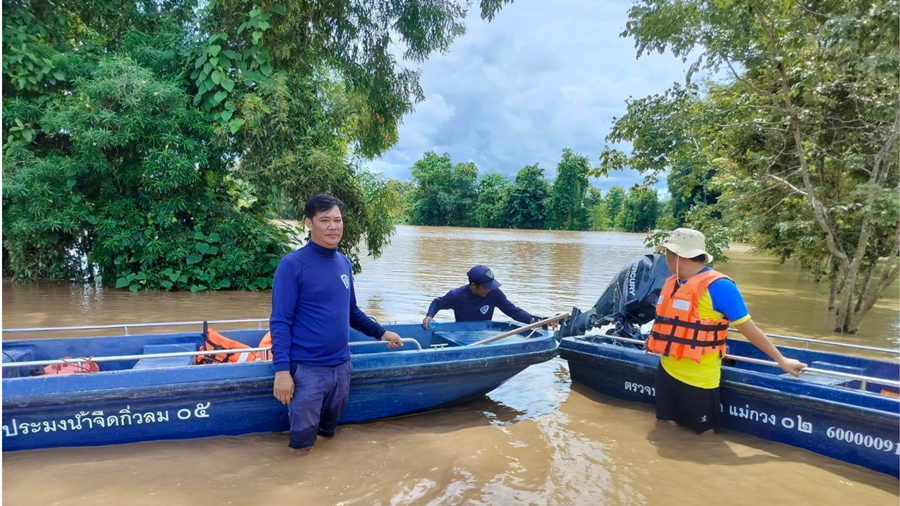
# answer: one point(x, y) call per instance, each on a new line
point(482, 275)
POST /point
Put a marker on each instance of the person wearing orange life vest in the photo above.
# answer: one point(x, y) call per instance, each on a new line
point(695, 308)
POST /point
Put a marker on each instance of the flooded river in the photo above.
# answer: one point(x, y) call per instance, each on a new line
point(538, 439)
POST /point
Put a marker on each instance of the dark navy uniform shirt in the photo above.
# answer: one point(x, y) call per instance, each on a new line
point(469, 307)
point(313, 308)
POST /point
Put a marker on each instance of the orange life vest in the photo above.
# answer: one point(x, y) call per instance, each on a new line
point(216, 341)
point(678, 330)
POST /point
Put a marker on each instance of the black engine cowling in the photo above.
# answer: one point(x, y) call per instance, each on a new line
point(628, 302)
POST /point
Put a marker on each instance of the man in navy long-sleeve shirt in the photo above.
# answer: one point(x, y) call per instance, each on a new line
point(477, 300)
point(313, 308)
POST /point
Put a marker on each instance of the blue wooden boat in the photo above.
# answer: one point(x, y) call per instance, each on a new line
point(148, 389)
point(846, 408)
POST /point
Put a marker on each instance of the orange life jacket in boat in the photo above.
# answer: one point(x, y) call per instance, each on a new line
point(678, 330)
point(216, 341)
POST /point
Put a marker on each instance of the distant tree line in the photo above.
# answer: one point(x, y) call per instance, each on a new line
point(442, 193)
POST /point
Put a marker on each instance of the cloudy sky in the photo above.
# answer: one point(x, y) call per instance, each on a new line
point(541, 77)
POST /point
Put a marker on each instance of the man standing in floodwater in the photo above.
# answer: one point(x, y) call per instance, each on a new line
point(477, 300)
point(313, 308)
point(695, 308)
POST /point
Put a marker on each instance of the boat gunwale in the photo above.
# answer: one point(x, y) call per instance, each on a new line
point(829, 405)
point(506, 356)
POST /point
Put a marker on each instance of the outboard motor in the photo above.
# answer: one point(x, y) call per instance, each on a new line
point(627, 303)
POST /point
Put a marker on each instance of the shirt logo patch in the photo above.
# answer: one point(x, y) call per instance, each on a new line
point(681, 304)
point(484, 309)
point(346, 279)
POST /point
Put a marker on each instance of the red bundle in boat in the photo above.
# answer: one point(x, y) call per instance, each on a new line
point(73, 368)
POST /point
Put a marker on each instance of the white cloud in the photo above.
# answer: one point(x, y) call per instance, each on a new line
point(541, 77)
point(419, 129)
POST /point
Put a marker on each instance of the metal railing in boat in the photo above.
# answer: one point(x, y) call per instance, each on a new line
point(807, 341)
point(259, 325)
point(126, 326)
point(36, 363)
point(864, 380)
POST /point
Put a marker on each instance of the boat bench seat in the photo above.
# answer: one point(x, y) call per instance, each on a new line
point(820, 379)
point(824, 379)
point(160, 363)
point(461, 337)
point(828, 366)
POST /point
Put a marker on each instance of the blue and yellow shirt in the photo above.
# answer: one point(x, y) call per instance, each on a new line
point(721, 300)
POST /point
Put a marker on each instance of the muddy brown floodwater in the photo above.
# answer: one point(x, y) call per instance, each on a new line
point(538, 439)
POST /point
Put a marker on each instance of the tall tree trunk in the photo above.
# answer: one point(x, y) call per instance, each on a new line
point(865, 287)
point(844, 302)
point(833, 280)
point(889, 277)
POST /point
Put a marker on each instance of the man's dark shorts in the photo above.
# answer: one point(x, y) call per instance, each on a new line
point(320, 394)
point(689, 406)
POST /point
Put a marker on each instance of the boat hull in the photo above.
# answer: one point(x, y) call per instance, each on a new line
point(129, 406)
point(863, 431)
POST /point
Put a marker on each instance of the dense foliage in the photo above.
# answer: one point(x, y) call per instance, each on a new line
point(796, 131)
point(566, 205)
point(442, 193)
point(150, 144)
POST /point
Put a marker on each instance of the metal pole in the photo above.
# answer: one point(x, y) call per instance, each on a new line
point(402, 339)
point(133, 325)
point(807, 341)
point(520, 329)
point(259, 322)
point(35, 363)
point(738, 358)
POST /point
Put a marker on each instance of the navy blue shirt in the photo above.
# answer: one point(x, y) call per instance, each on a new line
point(313, 308)
point(469, 307)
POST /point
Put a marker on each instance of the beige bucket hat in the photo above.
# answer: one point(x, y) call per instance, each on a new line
point(686, 243)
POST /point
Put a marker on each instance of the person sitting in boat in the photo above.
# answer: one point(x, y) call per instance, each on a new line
point(313, 308)
point(477, 300)
point(693, 313)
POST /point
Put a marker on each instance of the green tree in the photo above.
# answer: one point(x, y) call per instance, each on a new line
point(639, 210)
point(490, 207)
point(666, 133)
point(404, 190)
point(157, 141)
point(111, 164)
point(806, 122)
point(444, 194)
point(527, 203)
point(592, 199)
point(382, 208)
point(614, 201)
point(668, 215)
point(467, 194)
point(599, 218)
point(568, 190)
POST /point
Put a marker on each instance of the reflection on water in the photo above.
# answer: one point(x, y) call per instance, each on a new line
point(535, 440)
